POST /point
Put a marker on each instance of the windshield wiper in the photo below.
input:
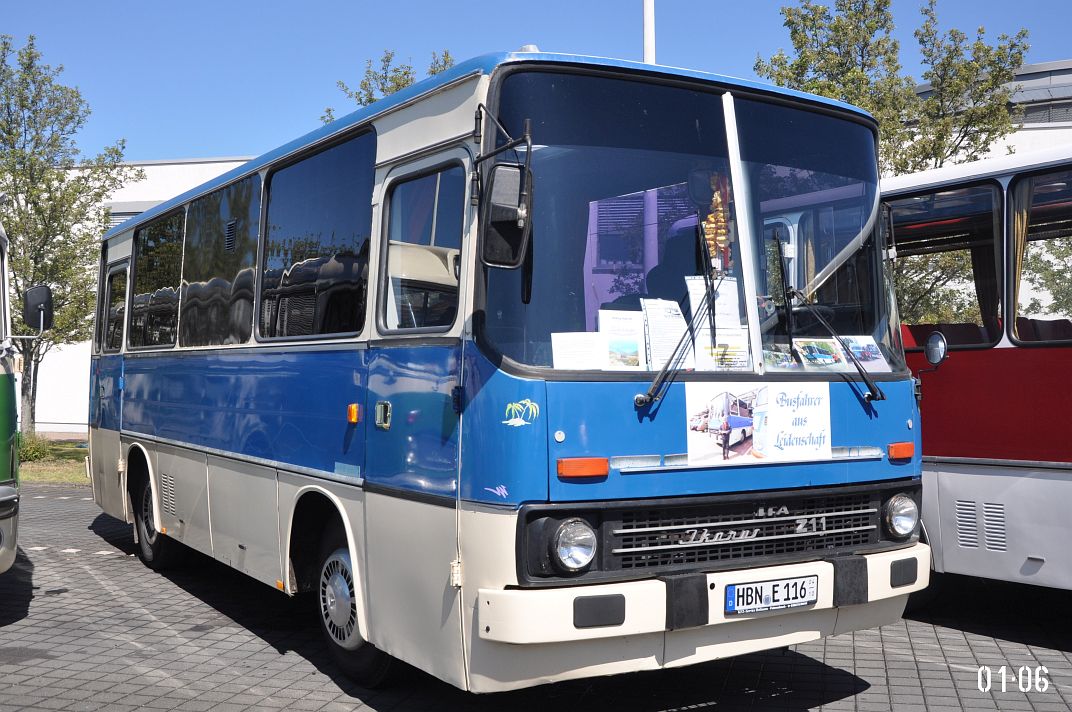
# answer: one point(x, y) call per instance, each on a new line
point(653, 393)
point(705, 310)
point(874, 392)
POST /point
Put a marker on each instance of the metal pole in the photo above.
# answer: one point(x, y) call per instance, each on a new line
point(649, 31)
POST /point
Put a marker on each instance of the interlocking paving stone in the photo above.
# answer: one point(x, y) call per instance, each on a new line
point(84, 626)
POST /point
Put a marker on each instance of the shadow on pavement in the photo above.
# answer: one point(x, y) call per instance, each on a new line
point(16, 590)
point(1017, 612)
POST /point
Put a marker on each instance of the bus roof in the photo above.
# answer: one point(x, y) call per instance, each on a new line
point(977, 170)
point(483, 64)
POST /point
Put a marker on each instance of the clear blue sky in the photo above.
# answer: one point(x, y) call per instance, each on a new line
point(204, 78)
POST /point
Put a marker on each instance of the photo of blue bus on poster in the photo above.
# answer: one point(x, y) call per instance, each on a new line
point(743, 423)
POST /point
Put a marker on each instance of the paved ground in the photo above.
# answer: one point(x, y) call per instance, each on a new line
point(84, 626)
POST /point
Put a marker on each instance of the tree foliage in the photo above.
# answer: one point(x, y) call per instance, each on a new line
point(849, 53)
point(937, 288)
point(969, 106)
point(386, 78)
point(55, 213)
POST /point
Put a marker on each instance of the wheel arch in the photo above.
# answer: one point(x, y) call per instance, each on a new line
point(140, 464)
point(304, 530)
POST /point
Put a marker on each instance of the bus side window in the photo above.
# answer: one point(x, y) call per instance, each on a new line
point(319, 221)
point(424, 231)
point(1041, 245)
point(154, 311)
point(115, 308)
point(218, 265)
point(948, 269)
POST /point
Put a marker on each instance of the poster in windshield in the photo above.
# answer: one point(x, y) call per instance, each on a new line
point(745, 423)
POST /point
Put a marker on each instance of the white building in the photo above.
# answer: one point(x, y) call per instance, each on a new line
point(63, 379)
point(1045, 95)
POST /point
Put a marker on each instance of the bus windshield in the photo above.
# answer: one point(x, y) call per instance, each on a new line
point(636, 239)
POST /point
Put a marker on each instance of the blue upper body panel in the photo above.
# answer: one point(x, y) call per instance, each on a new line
point(290, 407)
point(484, 64)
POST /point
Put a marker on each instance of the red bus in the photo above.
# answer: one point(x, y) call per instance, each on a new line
point(982, 253)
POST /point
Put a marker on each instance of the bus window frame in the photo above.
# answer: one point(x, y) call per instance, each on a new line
point(131, 275)
point(443, 160)
point(999, 246)
point(114, 268)
point(267, 176)
point(1014, 179)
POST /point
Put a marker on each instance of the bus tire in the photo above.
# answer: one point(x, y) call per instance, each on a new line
point(155, 550)
point(336, 609)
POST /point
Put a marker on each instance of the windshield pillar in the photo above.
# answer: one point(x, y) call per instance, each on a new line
point(742, 216)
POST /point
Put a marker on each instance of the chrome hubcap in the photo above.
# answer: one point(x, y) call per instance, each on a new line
point(338, 604)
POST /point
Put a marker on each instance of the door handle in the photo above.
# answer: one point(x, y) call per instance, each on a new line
point(383, 415)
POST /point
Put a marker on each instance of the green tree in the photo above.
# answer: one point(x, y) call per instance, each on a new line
point(54, 215)
point(849, 53)
point(386, 79)
point(969, 106)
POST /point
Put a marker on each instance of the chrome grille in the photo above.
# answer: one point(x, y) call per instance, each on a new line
point(699, 534)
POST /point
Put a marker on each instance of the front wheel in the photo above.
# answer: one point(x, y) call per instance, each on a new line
point(336, 600)
point(154, 549)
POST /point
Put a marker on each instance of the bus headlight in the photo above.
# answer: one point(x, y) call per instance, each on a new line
point(574, 545)
point(901, 515)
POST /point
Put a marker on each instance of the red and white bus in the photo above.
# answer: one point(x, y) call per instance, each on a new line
point(983, 255)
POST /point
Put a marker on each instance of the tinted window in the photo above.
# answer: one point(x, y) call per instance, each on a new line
point(315, 270)
point(219, 262)
point(154, 309)
point(116, 310)
point(1042, 250)
point(947, 265)
point(424, 237)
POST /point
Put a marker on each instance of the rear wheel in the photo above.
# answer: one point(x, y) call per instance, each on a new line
point(336, 602)
point(154, 549)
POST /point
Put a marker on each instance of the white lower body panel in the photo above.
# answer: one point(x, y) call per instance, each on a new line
point(522, 637)
point(999, 521)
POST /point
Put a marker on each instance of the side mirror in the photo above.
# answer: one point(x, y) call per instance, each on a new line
point(37, 307)
point(936, 348)
point(507, 205)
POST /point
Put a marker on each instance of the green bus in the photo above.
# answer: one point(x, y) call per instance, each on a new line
point(38, 309)
point(9, 451)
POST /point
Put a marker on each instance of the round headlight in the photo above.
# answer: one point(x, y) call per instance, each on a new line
point(902, 515)
point(574, 544)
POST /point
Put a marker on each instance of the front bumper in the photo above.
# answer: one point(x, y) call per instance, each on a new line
point(524, 617)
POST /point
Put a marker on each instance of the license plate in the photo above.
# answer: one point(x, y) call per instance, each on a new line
point(771, 595)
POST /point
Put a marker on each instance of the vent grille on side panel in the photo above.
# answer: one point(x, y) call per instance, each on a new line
point(967, 524)
point(167, 494)
point(994, 526)
point(230, 235)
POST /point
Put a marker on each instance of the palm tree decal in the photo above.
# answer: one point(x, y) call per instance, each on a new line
point(521, 413)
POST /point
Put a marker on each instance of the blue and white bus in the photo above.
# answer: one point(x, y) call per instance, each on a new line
point(434, 362)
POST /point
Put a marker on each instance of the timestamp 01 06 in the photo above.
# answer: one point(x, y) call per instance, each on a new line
point(1025, 678)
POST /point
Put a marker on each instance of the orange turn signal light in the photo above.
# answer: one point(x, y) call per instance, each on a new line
point(353, 413)
point(570, 467)
point(901, 451)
